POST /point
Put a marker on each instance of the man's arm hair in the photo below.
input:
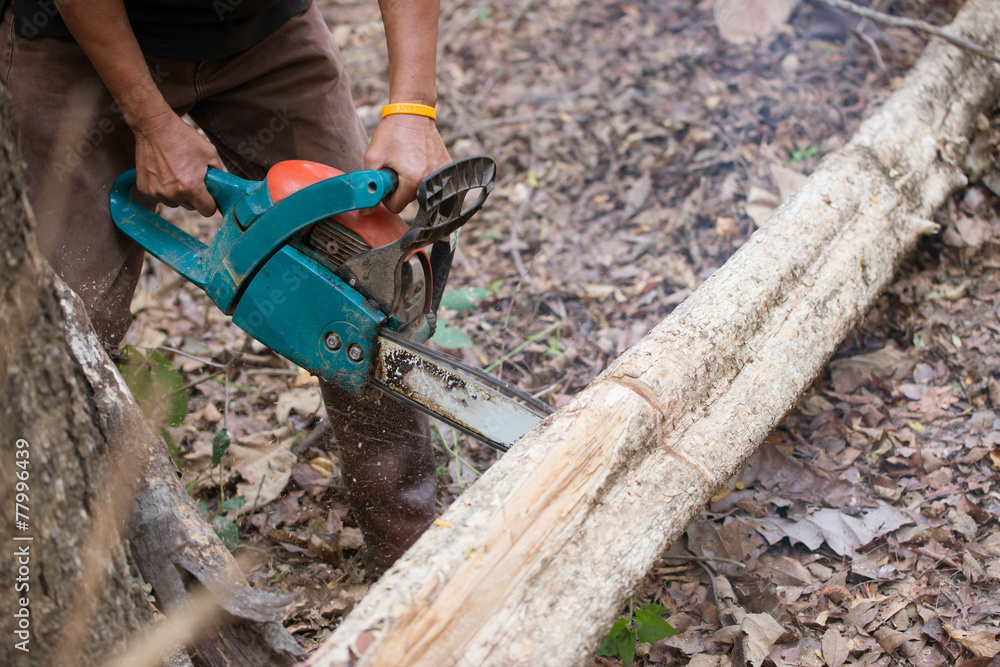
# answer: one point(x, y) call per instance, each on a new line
point(411, 28)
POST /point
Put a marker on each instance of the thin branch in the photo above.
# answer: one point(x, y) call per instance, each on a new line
point(912, 24)
point(182, 353)
point(705, 559)
point(318, 432)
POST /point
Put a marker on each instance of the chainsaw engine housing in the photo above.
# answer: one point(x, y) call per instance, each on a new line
point(337, 239)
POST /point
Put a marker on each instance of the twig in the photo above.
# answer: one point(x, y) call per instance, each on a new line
point(707, 559)
point(195, 383)
point(222, 368)
point(867, 39)
point(527, 341)
point(458, 459)
point(912, 24)
point(191, 356)
point(229, 367)
point(305, 443)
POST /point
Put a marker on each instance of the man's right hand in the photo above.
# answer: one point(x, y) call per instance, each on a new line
point(171, 159)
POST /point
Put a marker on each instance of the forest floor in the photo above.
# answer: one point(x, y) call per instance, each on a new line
point(637, 151)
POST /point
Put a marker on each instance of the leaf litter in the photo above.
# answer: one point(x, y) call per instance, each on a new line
point(866, 526)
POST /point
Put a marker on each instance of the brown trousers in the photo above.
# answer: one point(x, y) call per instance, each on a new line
point(286, 98)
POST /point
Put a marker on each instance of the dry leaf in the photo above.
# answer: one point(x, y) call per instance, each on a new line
point(726, 227)
point(787, 180)
point(211, 413)
point(265, 470)
point(842, 532)
point(835, 648)
point(981, 642)
point(861, 614)
point(971, 569)
point(701, 660)
point(888, 361)
point(303, 401)
point(892, 640)
point(304, 378)
point(743, 21)
point(933, 404)
point(350, 538)
point(761, 204)
point(974, 232)
point(760, 631)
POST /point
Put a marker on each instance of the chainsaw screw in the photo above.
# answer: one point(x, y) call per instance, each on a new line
point(333, 342)
point(355, 353)
point(352, 282)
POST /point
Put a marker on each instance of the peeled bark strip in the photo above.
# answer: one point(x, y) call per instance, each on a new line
point(530, 566)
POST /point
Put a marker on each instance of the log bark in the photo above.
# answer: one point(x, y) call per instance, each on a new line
point(530, 566)
point(101, 496)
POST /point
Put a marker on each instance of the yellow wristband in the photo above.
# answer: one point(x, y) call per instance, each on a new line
point(414, 109)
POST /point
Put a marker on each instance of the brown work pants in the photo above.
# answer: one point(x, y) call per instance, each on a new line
point(286, 98)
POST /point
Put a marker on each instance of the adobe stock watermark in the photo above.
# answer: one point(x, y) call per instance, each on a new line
point(223, 7)
point(32, 25)
point(109, 122)
point(22, 546)
point(253, 146)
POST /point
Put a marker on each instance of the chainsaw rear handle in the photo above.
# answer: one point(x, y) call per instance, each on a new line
point(162, 238)
point(241, 245)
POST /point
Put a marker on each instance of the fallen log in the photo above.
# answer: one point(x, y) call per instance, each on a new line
point(530, 566)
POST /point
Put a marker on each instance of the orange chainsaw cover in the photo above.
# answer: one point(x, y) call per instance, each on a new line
point(380, 228)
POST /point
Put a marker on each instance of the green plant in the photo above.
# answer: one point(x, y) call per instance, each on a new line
point(800, 155)
point(223, 527)
point(553, 349)
point(645, 624)
point(158, 389)
point(451, 338)
point(466, 298)
point(452, 450)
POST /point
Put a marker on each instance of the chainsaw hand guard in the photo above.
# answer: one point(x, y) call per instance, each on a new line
point(443, 204)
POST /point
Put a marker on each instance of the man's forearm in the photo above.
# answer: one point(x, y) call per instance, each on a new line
point(102, 30)
point(411, 35)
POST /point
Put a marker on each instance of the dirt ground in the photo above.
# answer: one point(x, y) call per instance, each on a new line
point(636, 149)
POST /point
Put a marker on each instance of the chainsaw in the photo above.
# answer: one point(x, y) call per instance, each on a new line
point(348, 297)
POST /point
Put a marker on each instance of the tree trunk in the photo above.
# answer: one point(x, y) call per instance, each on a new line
point(55, 454)
point(92, 473)
point(530, 566)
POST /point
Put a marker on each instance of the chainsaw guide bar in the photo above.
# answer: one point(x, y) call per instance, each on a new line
point(455, 394)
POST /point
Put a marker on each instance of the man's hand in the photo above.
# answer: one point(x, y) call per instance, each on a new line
point(171, 159)
point(412, 147)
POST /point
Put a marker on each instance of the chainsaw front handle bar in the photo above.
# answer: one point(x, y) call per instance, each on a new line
point(447, 199)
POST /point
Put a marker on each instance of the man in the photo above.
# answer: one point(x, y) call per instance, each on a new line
point(99, 86)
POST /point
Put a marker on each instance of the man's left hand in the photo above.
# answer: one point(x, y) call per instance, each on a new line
point(412, 147)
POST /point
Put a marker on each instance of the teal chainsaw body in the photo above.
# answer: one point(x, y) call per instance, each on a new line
point(265, 268)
